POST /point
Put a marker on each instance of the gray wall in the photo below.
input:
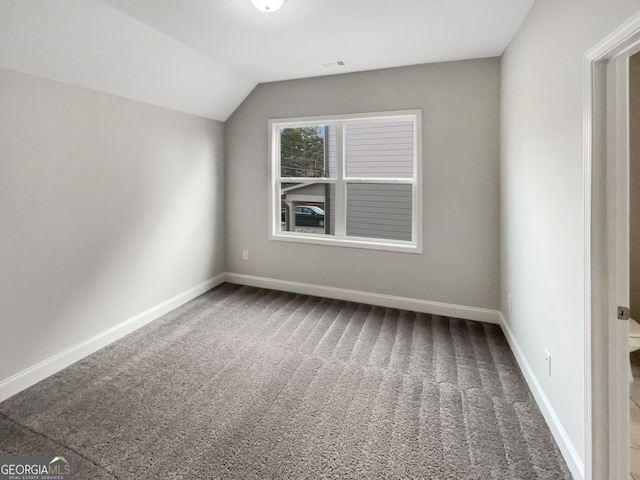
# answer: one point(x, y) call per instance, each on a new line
point(107, 207)
point(542, 207)
point(461, 205)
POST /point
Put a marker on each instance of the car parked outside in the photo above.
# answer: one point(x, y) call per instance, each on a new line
point(308, 215)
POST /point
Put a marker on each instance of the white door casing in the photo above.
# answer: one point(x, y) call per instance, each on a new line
point(606, 180)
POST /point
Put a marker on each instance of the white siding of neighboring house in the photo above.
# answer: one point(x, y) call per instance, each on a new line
point(380, 150)
point(374, 150)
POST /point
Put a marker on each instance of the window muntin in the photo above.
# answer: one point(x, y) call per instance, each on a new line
point(362, 171)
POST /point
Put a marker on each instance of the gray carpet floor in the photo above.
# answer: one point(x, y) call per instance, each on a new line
point(247, 383)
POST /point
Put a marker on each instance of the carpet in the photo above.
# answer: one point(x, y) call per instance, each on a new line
point(248, 383)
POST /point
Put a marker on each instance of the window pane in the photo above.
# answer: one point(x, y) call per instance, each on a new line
point(379, 210)
point(380, 150)
point(307, 208)
point(303, 152)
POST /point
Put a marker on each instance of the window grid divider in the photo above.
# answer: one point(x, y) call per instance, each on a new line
point(341, 194)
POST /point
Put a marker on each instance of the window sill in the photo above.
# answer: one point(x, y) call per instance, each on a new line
point(351, 242)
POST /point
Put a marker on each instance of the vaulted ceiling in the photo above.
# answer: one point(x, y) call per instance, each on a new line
point(204, 57)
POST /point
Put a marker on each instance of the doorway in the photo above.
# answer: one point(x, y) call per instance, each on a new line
point(634, 263)
point(609, 448)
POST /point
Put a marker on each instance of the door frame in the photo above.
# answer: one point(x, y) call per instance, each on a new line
point(606, 248)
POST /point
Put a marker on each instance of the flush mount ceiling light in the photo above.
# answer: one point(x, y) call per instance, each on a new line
point(267, 5)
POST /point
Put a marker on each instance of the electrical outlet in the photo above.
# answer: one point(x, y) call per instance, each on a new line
point(509, 302)
point(245, 254)
point(547, 361)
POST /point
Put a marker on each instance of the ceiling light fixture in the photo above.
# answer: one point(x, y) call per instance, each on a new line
point(267, 5)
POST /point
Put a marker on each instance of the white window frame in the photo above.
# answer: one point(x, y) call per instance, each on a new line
point(340, 238)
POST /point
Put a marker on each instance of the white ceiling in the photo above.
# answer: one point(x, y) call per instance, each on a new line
point(204, 56)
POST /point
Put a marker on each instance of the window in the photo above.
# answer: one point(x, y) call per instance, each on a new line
point(350, 180)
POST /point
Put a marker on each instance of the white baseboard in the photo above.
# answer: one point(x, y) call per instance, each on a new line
point(382, 300)
point(32, 375)
point(569, 452)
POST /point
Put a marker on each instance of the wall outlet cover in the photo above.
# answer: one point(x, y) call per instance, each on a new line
point(547, 361)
